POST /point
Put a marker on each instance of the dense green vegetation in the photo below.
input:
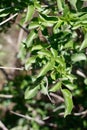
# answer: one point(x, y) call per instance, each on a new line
point(50, 91)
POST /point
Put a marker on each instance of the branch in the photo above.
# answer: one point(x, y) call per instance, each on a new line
point(21, 33)
point(58, 108)
point(81, 113)
point(5, 73)
point(2, 126)
point(37, 120)
point(40, 122)
point(23, 116)
point(80, 73)
point(57, 96)
point(11, 68)
point(24, 28)
point(6, 96)
point(8, 19)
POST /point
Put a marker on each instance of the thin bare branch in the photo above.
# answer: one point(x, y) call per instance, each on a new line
point(37, 120)
point(5, 73)
point(57, 96)
point(61, 114)
point(21, 34)
point(59, 108)
point(23, 28)
point(8, 19)
point(21, 115)
point(2, 126)
point(81, 113)
point(47, 90)
point(80, 73)
point(40, 122)
point(6, 96)
point(11, 68)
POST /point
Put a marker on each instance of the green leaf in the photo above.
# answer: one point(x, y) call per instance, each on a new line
point(4, 14)
point(60, 6)
point(71, 77)
point(84, 43)
point(46, 68)
point(53, 75)
point(69, 44)
point(30, 93)
point(61, 61)
point(69, 85)
point(68, 101)
point(76, 26)
point(37, 47)
point(78, 57)
point(33, 25)
point(44, 52)
point(58, 24)
point(30, 38)
point(54, 52)
point(47, 18)
point(85, 81)
point(56, 87)
point(44, 89)
point(47, 21)
point(22, 52)
point(73, 3)
point(30, 12)
point(30, 61)
point(5, 11)
point(37, 5)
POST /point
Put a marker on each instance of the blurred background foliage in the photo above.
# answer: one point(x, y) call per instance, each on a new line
point(49, 40)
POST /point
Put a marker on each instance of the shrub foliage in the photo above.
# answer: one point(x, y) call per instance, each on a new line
point(54, 55)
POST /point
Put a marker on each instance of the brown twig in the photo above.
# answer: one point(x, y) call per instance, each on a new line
point(23, 28)
point(5, 73)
